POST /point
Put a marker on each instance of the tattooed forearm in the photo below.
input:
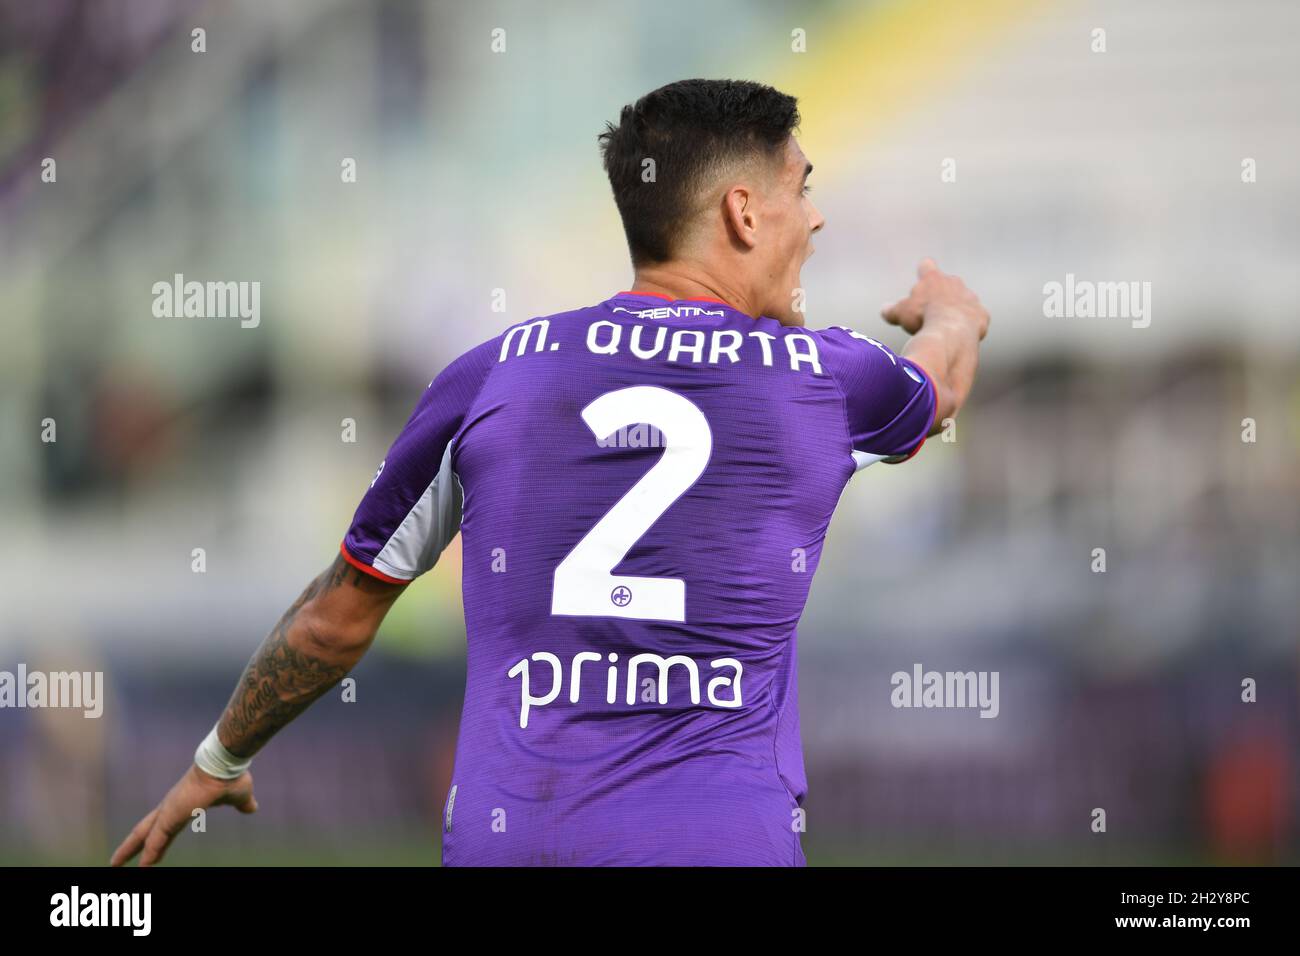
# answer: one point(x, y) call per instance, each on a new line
point(288, 673)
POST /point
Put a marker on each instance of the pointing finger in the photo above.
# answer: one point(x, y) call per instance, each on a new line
point(905, 312)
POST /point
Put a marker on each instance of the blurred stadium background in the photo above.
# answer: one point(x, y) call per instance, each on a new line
point(479, 171)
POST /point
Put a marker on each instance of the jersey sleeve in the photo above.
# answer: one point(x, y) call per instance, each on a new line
point(412, 508)
point(889, 401)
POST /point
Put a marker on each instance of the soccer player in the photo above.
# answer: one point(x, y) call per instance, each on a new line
point(643, 488)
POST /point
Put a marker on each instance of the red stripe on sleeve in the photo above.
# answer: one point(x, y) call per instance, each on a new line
point(343, 550)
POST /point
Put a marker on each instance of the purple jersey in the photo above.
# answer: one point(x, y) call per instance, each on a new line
point(643, 487)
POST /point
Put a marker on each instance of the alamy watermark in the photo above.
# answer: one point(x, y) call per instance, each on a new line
point(949, 689)
point(179, 299)
point(1085, 299)
point(131, 911)
point(78, 690)
point(634, 436)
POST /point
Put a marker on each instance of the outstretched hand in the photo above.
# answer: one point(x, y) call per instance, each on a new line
point(936, 295)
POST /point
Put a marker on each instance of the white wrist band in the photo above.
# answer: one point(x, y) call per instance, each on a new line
point(215, 760)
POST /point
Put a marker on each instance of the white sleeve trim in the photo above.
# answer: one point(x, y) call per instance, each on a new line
point(427, 528)
point(863, 458)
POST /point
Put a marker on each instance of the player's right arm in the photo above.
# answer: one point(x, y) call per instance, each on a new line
point(317, 641)
point(407, 517)
point(947, 323)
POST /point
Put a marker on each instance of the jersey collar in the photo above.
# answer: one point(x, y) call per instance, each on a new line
point(668, 298)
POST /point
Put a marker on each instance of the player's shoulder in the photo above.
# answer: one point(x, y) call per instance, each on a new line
point(847, 349)
point(841, 337)
point(541, 333)
point(582, 313)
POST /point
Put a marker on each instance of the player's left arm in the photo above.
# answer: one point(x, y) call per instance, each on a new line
point(894, 401)
point(889, 401)
point(947, 322)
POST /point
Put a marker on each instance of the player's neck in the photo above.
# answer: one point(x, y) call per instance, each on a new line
point(683, 282)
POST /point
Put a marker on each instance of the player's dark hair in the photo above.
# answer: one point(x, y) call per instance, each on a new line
point(688, 128)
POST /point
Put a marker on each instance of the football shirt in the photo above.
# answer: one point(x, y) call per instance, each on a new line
point(643, 489)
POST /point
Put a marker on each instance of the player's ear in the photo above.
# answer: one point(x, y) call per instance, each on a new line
point(739, 210)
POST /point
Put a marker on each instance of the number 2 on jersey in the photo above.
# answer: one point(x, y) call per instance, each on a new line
point(584, 584)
